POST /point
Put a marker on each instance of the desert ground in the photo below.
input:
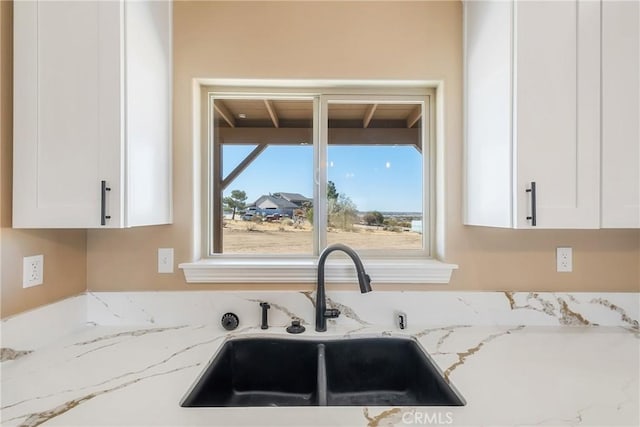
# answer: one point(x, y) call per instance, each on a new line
point(282, 238)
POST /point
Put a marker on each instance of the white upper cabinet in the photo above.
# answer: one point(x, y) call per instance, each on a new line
point(532, 114)
point(556, 130)
point(92, 114)
point(621, 114)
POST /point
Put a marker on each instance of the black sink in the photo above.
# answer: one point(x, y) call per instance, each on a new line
point(388, 372)
point(259, 372)
point(383, 371)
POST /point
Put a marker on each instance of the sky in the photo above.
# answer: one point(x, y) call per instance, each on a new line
point(381, 178)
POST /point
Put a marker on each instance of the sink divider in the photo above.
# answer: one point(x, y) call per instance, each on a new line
point(322, 376)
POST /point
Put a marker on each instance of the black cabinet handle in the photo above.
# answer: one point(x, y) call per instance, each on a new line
point(532, 190)
point(103, 203)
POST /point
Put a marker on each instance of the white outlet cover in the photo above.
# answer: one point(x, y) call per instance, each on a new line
point(564, 260)
point(32, 271)
point(165, 260)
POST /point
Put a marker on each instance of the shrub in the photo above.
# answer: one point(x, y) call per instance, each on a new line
point(373, 218)
point(342, 213)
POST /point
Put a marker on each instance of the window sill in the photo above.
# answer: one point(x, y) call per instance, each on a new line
point(304, 270)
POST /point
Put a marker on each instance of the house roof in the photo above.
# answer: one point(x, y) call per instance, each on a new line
point(279, 202)
point(293, 197)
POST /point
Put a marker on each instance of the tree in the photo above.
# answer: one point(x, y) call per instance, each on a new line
point(332, 193)
point(332, 198)
point(307, 211)
point(236, 201)
point(343, 213)
point(374, 218)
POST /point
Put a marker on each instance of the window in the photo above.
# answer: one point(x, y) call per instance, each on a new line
point(377, 174)
point(262, 177)
point(288, 171)
point(293, 173)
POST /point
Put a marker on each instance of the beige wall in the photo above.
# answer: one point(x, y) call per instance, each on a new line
point(64, 250)
point(299, 40)
point(339, 40)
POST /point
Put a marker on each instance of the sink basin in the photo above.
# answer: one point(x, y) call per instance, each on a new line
point(384, 371)
point(259, 372)
point(267, 371)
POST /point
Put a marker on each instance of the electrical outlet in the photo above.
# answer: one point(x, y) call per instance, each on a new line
point(165, 260)
point(564, 260)
point(32, 271)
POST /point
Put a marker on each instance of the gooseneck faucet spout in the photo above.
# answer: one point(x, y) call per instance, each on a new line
point(322, 314)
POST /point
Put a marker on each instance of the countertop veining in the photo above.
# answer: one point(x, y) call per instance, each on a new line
point(518, 359)
point(508, 375)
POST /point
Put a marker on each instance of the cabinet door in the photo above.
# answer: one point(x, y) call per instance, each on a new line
point(487, 102)
point(557, 113)
point(58, 164)
point(620, 114)
point(148, 65)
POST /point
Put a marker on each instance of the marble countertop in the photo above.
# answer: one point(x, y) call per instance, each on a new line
point(509, 375)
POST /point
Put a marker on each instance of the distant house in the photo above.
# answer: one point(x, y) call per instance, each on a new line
point(280, 203)
point(295, 198)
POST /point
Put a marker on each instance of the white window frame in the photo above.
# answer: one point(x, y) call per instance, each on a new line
point(397, 267)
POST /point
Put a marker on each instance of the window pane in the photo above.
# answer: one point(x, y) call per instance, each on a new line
point(263, 183)
point(375, 172)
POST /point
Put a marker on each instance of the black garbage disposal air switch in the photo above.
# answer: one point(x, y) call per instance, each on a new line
point(265, 306)
point(296, 327)
point(230, 321)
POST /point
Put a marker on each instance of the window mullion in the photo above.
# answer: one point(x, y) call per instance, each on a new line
point(320, 200)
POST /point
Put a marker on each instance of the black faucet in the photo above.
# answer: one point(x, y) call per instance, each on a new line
point(322, 314)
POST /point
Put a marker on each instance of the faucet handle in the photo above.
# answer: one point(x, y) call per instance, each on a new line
point(331, 313)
